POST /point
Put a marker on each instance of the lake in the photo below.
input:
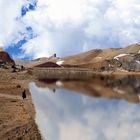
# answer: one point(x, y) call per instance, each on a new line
point(103, 108)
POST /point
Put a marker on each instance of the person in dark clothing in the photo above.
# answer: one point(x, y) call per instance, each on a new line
point(24, 94)
point(54, 90)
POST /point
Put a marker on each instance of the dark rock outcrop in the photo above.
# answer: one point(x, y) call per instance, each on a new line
point(131, 62)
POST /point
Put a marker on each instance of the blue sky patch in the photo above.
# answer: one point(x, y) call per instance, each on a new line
point(31, 6)
point(14, 49)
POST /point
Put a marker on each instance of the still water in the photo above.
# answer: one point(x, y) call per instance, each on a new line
point(99, 109)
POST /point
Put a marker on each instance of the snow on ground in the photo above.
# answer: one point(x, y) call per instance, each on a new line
point(119, 91)
point(98, 57)
point(138, 61)
point(139, 96)
point(120, 55)
point(60, 62)
point(122, 70)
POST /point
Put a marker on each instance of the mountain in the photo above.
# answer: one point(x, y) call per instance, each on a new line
point(111, 59)
point(107, 59)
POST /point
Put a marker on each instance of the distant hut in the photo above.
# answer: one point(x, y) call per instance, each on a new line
point(54, 55)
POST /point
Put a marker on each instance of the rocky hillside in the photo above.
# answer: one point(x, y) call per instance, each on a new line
point(111, 59)
point(5, 58)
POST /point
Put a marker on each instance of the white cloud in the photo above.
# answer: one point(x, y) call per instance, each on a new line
point(64, 115)
point(72, 26)
point(1, 44)
point(9, 11)
point(69, 25)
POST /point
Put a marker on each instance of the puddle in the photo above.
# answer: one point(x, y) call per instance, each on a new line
point(101, 109)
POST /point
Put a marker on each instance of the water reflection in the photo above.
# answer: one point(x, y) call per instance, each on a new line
point(127, 88)
point(67, 115)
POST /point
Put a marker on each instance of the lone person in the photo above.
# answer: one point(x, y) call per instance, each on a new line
point(54, 90)
point(24, 94)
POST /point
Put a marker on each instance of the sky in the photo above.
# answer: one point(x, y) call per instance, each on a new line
point(67, 115)
point(39, 28)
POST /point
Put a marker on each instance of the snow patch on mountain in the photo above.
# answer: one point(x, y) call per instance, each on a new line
point(137, 61)
point(60, 62)
point(119, 91)
point(120, 55)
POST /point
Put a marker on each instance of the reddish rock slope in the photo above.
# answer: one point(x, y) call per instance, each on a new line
point(48, 64)
point(5, 57)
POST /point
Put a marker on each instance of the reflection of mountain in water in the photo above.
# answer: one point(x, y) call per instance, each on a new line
point(67, 115)
point(127, 88)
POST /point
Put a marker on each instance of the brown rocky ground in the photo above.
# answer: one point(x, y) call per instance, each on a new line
point(16, 115)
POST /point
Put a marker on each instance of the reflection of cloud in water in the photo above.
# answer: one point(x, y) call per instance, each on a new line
point(65, 115)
